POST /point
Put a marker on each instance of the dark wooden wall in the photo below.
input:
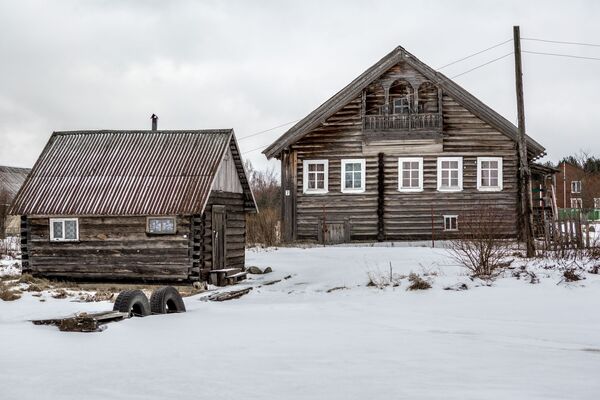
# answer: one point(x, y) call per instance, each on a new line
point(236, 230)
point(110, 248)
point(406, 215)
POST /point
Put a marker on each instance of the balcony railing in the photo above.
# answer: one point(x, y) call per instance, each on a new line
point(403, 122)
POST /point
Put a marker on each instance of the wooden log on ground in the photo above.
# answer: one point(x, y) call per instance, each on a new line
point(229, 295)
point(84, 322)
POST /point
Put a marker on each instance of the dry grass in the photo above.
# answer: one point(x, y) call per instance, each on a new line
point(417, 283)
point(9, 292)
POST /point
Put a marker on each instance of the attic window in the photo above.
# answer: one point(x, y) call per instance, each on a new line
point(161, 225)
point(64, 229)
point(401, 106)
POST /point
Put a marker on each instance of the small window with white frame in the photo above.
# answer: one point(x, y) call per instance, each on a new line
point(450, 222)
point(64, 229)
point(315, 175)
point(161, 225)
point(410, 174)
point(450, 174)
point(576, 202)
point(575, 186)
point(489, 174)
point(353, 176)
point(596, 202)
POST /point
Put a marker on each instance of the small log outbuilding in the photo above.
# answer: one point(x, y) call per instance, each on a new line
point(11, 179)
point(137, 205)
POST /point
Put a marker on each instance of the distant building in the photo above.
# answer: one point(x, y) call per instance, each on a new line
point(577, 188)
point(11, 179)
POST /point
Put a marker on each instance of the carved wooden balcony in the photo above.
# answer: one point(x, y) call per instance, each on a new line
point(403, 122)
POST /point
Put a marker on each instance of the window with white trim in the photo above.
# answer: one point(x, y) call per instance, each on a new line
point(596, 202)
point(353, 176)
point(576, 202)
point(450, 222)
point(575, 186)
point(410, 174)
point(450, 174)
point(161, 225)
point(489, 174)
point(315, 174)
point(64, 229)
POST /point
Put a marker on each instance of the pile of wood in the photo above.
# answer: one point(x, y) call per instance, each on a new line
point(84, 322)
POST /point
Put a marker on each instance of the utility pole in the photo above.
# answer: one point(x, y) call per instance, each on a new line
point(526, 224)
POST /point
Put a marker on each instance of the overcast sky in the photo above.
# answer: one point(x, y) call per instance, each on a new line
point(253, 65)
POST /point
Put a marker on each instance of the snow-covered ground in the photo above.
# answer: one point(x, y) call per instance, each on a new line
point(296, 340)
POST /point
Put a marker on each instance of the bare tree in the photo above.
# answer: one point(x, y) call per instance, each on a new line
point(480, 249)
point(263, 228)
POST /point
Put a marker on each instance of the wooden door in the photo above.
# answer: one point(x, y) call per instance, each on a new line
point(218, 237)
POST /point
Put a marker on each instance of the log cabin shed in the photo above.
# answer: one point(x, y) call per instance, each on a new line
point(401, 153)
point(135, 205)
point(11, 179)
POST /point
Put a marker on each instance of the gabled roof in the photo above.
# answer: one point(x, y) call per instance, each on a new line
point(11, 179)
point(128, 173)
point(354, 89)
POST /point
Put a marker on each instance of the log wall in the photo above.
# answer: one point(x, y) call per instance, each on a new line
point(110, 248)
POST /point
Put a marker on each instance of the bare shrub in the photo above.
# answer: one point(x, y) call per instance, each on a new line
point(263, 228)
point(381, 280)
point(480, 249)
point(572, 275)
point(417, 283)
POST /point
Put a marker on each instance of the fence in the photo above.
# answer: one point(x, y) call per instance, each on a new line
point(569, 231)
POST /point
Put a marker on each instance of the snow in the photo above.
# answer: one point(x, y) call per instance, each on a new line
point(294, 340)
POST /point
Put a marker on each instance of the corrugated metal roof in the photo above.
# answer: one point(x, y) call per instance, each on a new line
point(124, 173)
point(11, 180)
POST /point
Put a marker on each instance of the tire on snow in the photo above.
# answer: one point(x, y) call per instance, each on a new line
point(166, 300)
point(133, 302)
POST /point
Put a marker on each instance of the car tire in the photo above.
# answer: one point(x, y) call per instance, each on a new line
point(166, 300)
point(133, 302)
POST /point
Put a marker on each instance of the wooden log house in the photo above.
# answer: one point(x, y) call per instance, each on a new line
point(400, 153)
point(11, 179)
point(136, 205)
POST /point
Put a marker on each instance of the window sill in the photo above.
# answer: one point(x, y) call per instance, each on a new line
point(64, 240)
point(353, 191)
point(315, 192)
point(405, 190)
point(489, 189)
point(450, 190)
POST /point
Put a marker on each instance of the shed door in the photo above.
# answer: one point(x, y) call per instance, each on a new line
point(218, 239)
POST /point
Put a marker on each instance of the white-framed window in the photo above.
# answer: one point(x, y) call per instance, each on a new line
point(489, 174)
point(450, 222)
point(450, 174)
point(161, 225)
point(576, 202)
point(410, 174)
point(353, 175)
point(575, 186)
point(315, 173)
point(596, 202)
point(64, 229)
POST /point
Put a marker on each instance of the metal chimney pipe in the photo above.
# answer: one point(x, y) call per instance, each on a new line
point(154, 119)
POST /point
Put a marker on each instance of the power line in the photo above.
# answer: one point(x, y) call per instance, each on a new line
point(266, 130)
point(409, 94)
point(482, 65)
point(474, 54)
point(561, 42)
point(562, 55)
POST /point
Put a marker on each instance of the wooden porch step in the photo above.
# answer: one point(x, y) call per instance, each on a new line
point(227, 271)
point(223, 277)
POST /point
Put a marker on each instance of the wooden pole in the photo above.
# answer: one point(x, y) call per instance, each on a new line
point(524, 172)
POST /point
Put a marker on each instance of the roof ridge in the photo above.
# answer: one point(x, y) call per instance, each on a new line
point(134, 131)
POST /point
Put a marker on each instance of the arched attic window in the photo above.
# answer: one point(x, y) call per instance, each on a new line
point(401, 97)
point(428, 98)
